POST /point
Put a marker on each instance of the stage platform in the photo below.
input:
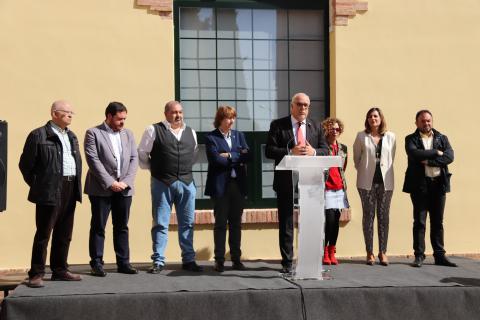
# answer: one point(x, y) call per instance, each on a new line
point(357, 291)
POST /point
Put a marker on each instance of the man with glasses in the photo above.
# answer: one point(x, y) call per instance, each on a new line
point(297, 135)
point(51, 165)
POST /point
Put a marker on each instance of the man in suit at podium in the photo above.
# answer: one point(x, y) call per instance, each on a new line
point(297, 135)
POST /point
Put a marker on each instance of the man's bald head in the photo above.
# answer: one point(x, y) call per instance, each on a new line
point(170, 104)
point(60, 105)
point(62, 113)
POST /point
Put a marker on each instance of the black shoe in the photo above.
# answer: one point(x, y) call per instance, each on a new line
point(97, 271)
point(192, 266)
point(65, 276)
point(238, 265)
point(418, 262)
point(443, 261)
point(127, 269)
point(219, 267)
point(286, 269)
point(35, 281)
point(156, 268)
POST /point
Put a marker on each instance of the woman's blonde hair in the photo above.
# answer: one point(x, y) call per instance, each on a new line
point(329, 122)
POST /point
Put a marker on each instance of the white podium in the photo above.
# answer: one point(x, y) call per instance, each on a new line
point(311, 200)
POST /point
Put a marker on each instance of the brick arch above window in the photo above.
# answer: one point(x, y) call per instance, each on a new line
point(164, 8)
point(343, 10)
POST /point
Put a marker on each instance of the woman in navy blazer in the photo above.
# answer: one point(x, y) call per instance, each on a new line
point(227, 154)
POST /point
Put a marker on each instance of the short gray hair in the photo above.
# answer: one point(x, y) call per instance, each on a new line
point(297, 95)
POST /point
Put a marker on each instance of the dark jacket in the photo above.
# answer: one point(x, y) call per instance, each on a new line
point(280, 140)
point(415, 176)
point(220, 168)
point(41, 164)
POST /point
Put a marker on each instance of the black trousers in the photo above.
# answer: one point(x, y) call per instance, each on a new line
point(59, 219)
point(285, 226)
point(433, 202)
point(228, 209)
point(332, 225)
point(101, 207)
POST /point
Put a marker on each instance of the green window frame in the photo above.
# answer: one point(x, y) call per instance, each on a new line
point(236, 95)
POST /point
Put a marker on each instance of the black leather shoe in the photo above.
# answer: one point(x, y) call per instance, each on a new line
point(443, 261)
point(192, 266)
point(127, 269)
point(219, 267)
point(156, 268)
point(97, 271)
point(286, 269)
point(238, 265)
point(35, 281)
point(418, 262)
point(65, 276)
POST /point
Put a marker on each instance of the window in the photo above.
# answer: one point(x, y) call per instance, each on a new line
point(253, 57)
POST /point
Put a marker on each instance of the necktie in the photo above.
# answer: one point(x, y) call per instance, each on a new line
point(300, 137)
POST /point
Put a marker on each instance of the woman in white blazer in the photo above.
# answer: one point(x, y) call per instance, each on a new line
point(373, 155)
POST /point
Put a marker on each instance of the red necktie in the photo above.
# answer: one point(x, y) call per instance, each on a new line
point(300, 137)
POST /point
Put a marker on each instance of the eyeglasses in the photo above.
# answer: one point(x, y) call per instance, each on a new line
point(65, 111)
point(335, 129)
point(302, 105)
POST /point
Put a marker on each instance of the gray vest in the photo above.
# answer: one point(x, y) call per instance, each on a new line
point(170, 159)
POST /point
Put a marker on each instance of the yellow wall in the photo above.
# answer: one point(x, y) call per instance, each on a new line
point(404, 56)
point(400, 55)
point(89, 52)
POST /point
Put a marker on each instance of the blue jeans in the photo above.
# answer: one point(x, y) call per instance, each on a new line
point(163, 197)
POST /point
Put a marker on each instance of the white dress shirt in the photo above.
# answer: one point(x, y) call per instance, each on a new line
point(68, 163)
point(304, 131)
point(431, 172)
point(117, 147)
point(295, 128)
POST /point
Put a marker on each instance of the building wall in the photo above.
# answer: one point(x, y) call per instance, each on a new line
point(90, 53)
point(400, 55)
point(404, 56)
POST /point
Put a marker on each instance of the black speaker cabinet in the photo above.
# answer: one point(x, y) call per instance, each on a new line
point(3, 165)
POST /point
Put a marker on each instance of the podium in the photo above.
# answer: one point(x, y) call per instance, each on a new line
point(311, 200)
